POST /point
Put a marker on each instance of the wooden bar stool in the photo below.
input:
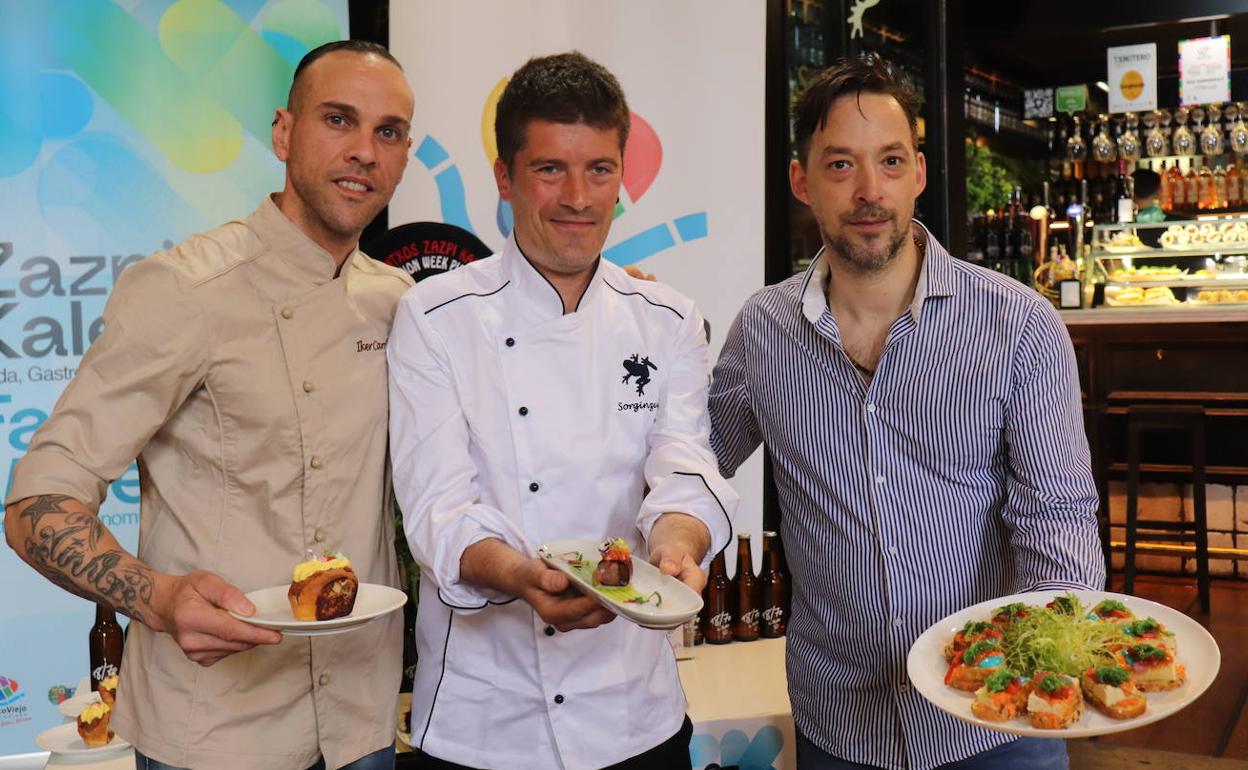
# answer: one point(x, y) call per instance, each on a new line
point(1158, 418)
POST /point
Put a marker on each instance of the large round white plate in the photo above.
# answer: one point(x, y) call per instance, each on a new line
point(680, 602)
point(64, 739)
point(1197, 651)
point(273, 610)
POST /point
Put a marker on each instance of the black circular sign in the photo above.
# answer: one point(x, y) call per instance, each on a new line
point(423, 249)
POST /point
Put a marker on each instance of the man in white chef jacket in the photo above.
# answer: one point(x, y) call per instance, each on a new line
point(537, 395)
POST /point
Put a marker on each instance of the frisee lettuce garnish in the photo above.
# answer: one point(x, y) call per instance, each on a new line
point(1044, 640)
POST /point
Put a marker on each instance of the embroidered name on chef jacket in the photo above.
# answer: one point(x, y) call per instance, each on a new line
point(362, 346)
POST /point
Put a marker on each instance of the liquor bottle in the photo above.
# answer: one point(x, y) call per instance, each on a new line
point(1178, 198)
point(1191, 188)
point(717, 604)
point(774, 620)
point(992, 247)
point(1219, 188)
point(105, 642)
point(1208, 198)
point(745, 593)
point(1234, 199)
point(1124, 207)
point(1165, 194)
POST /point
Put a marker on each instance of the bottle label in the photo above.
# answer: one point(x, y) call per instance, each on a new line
point(103, 671)
point(721, 622)
point(750, 618)
point(772, 616)
point(1126, 210)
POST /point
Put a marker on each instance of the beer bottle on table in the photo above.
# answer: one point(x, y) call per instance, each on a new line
point(773, 617)
point(717, 604)
point(105, 642)
point(745, 592)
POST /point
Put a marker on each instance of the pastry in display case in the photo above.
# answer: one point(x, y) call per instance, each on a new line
point(1193, 263)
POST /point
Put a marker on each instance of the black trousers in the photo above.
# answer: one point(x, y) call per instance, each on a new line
point(671, 754)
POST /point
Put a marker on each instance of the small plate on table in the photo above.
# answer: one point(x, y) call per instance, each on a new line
point(65, 740)
point(273, 610)
point(1197, 651)
point(651, 599)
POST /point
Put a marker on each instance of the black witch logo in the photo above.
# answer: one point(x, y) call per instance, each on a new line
point(639, 369)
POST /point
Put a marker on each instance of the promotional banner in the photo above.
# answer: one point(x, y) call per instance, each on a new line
point(1205, 70)
point(691, 207)
point(125, 126)
point(1132, 77)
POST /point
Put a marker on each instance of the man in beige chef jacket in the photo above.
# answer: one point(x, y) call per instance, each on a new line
point(246, 370)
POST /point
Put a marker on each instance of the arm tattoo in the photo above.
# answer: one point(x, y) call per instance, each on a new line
point(64, 546)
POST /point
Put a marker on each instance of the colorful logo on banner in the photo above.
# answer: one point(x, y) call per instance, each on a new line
point(643, 158)
point(10, 692)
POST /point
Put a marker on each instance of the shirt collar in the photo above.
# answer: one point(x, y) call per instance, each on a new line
point(284, 237)
point(539, 293)
point(935, 278)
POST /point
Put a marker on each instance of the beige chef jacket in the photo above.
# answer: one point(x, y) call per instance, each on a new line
point(251, 385)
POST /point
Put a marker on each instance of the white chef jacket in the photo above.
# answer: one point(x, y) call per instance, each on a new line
point(511, 420)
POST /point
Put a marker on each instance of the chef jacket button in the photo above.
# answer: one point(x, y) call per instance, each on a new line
point(316, 461)
point(307, 386)
point(524, 410)
point(534, 487)
point(324, 680)
point(558, 699)
point(319, 536)
point(511, 342)
point(550, 630)
point(287, 313)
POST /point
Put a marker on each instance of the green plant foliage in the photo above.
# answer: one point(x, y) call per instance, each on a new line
point(989, 180)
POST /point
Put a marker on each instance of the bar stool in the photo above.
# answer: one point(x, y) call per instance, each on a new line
point(1155, 418)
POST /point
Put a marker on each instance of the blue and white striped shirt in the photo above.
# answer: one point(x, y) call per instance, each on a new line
point(960, 473)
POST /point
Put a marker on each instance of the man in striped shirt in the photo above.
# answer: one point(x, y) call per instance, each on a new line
point(923, 421)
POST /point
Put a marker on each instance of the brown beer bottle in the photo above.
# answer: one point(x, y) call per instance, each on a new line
point(106, 642)
point(745, 592)
point(773, 619)
point(717, 604)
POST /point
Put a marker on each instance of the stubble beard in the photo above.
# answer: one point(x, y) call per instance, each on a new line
point(866, 258)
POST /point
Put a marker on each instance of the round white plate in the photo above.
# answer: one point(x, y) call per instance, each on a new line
point(64, 739)
point(273, 610)
point(680, 602)
point(1197, 651)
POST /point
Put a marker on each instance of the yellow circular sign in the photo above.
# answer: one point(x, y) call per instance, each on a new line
point(1132, 85)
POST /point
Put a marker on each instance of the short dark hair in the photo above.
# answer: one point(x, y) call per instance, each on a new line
point(351, 46)
point(870, 74)
point(1147, 183)
point(563, 88)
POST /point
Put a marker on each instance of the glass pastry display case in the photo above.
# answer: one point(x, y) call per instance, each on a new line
point(1179, 263)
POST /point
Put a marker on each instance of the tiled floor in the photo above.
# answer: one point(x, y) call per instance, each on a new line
point(1216, 725)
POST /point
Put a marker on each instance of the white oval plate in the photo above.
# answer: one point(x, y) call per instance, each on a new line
point(64, 739)
point(1197, 651)
point(273, 610)
point(680, 602)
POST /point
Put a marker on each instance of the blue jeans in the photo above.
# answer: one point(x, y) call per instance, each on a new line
point(1022, 754)
point(378, 760)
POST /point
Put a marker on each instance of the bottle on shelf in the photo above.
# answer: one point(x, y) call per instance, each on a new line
point(1207, 196)
point(1124, 206)
point(773, 618)
point(745, 593)
point(106, 643)
point(1219, 188)
point(717, 604)
point(1234, 198)
point(1191, 188)
point(1165, 194)
point(1178, 198)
